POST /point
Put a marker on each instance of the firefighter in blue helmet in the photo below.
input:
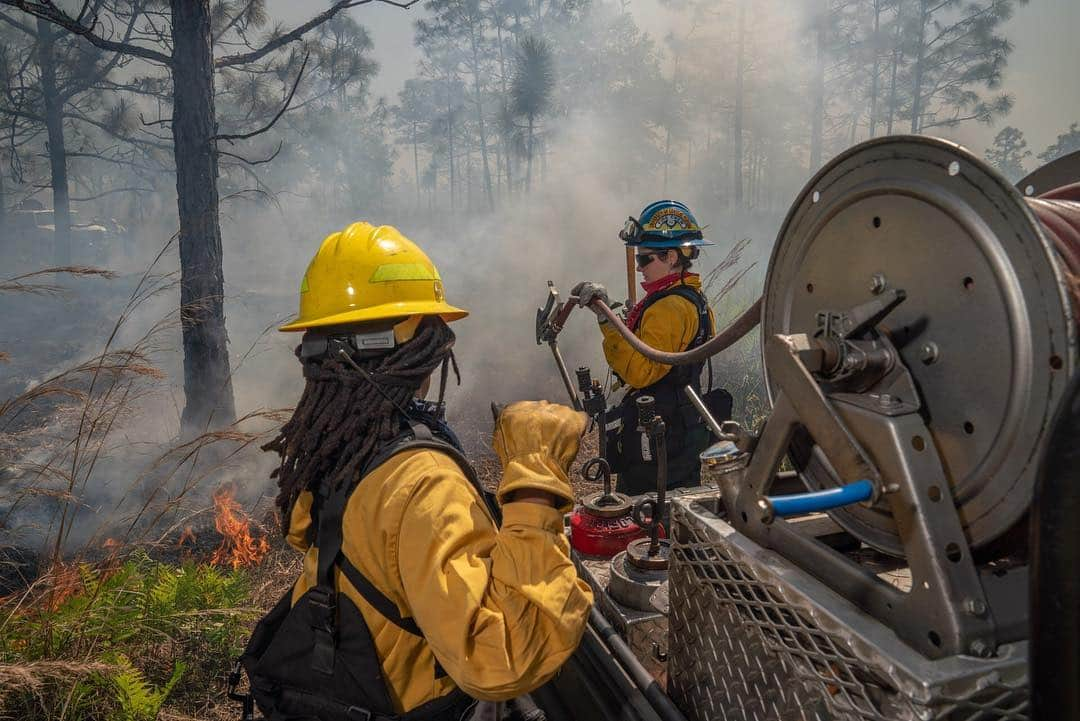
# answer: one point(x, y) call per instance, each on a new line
point(673, 316)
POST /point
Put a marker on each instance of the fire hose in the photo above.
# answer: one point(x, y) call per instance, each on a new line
point(734, 332)
point(1057, 210)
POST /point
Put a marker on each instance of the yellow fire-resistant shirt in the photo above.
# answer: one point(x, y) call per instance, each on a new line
point(500, 608)
point(669, 325)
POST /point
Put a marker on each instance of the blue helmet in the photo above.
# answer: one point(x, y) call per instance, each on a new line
point(664, 224)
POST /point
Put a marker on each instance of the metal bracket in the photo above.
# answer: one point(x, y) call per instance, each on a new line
point(946, 612)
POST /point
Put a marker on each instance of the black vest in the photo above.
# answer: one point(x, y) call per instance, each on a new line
point(679, 414)
point(685, 375)
point(316, 659)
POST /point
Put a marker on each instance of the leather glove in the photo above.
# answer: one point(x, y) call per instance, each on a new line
point(588, 291)
point(536, 442)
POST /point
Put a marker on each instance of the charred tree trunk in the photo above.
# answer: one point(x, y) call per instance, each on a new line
point(207, 380)
point(737, 130)
point(54, 125)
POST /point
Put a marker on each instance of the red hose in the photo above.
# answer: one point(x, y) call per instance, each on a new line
point(1059, 212)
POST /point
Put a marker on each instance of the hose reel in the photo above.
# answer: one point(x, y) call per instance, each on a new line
point(986, 331)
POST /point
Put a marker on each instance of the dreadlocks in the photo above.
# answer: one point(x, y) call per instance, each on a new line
point(345, 415)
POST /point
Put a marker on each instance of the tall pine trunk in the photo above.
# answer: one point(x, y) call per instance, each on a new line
point(54, 126)
point(207, 380)
point(416, 164)
point(737, 129)
point(528, 167)
point(667, 157)
point(450, 152)
point(817, 119)
point(507, 140)
point(3, 197)
point(917, 76)
point(874, 79)
point(488, 192)
point(898, 56)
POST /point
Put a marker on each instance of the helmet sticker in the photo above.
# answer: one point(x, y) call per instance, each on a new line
point(670, 219)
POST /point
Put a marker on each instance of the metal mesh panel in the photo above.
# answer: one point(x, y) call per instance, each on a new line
point(753, 638)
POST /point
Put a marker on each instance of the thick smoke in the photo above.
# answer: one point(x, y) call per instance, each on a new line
point(597, 167)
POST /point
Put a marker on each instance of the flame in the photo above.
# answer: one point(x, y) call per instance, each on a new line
point(64, 581)
point(188, 536)
point(238, 547)
point(111, 544)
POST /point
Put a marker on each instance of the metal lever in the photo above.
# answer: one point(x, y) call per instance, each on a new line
point(549, 320)
point(711, 422)
point(654, 426)
point(596, 469)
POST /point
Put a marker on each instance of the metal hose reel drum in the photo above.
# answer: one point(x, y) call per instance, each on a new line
point(987, 328)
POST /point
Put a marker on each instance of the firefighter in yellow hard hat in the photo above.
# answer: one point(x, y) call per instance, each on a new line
point(412, 601)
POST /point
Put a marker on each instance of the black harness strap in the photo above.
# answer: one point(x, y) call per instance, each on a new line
point(324, 594)
point(378, 600)
point(420, 436)
point(684, 375)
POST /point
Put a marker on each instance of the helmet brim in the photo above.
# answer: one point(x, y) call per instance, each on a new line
point(385, 311)
point(662, 243)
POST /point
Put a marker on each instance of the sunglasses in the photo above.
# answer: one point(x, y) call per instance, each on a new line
point(644, 259)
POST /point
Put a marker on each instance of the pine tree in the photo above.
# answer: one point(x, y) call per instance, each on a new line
point(1008, 152)
point(956, 52)
point(1067, 142)
point(531, 91)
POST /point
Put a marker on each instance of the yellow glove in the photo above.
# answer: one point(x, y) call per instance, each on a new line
point(536, 442)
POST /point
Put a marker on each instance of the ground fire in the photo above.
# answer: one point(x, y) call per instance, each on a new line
point(239, 547)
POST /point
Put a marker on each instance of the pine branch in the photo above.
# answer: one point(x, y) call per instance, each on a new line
point(284, 107)
point(48, 11)
point(298, 32)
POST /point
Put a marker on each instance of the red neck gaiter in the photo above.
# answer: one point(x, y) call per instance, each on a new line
point(652, 288)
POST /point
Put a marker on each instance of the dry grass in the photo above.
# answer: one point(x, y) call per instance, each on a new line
point(60, 440)
point(19, 284)
point(34, 676)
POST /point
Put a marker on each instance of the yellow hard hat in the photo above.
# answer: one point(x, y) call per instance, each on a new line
point(368, 273)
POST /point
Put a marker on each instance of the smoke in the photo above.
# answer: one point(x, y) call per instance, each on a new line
point(605, 155)
point(496, 265)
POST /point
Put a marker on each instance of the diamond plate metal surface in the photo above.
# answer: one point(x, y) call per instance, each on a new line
point(754, 638)
point(645, 632)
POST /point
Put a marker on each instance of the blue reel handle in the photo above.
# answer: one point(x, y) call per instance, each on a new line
point(814, 501)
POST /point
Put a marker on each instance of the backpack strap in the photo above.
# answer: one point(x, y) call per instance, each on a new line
point(323, 596)
point(420, 436)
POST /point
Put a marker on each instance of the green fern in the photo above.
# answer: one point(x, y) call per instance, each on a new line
point(188, 621)
point(137, 698)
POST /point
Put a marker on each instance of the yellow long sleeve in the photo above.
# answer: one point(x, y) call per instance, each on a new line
point(500, 609)
point(669, 324)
